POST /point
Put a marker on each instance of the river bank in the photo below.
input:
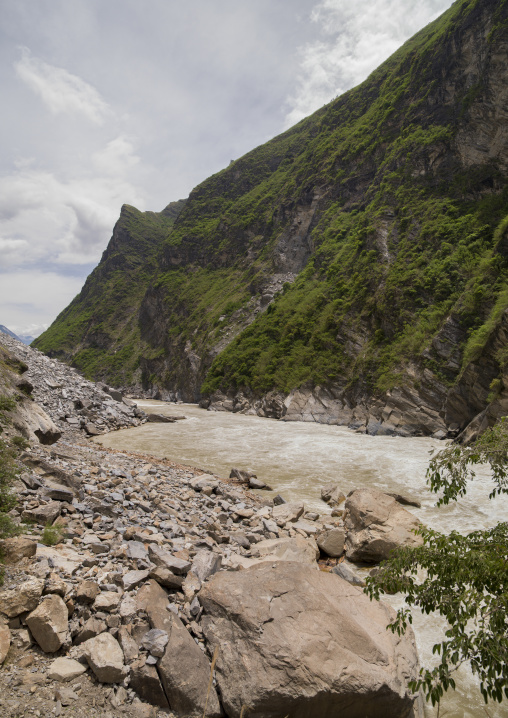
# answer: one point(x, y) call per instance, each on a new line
point(134, 525)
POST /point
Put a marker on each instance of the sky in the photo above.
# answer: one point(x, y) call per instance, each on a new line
point(106, 102)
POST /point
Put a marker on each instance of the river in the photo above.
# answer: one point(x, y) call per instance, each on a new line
point(297, 458)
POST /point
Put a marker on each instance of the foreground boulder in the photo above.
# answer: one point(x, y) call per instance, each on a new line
point(377, 524)
point(299, 642)
point(48, 623)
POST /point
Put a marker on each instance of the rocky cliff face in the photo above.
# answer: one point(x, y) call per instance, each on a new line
point(352, 270)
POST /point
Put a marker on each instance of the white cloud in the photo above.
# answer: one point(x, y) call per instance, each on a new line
point(26, 293)
point(117, 157)
point(61, 221)
point(357, 37)
point(61, 91)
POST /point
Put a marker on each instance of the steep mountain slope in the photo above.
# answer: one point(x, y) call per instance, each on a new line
point(351, 270)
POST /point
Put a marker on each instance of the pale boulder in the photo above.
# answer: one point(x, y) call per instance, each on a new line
point(5, 642)
point(13, 550)
point(49, 623)
point(377, 524)
point(294, 641)
point(287, 549)
point(289, 512)
point(331, 542)
point(105, 658)
point(65, 669)
point(24, 597)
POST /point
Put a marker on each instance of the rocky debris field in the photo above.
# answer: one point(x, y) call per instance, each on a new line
point(140, 587)
point(71, 401)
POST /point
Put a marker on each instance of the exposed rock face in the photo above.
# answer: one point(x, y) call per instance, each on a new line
point(302, 642)
point(376, 524)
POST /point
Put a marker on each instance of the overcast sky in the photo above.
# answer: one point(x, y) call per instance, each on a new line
point(113, 101)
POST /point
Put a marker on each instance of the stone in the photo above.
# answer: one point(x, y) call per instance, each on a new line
point(49, 623)
point(200, 483)
point(131, 579)
point(65, 669)
point(105, 658)
point(44, 514)
point(13, 550)
point(166, 578)
point(376, 524)
point(136, 550)
point(287, 512)
point(184, 669)
point(107, 601)
point(93, 627)
point(145, 681)
point(128, 644)
point(164, 559)
point(91, 429)
point(5, 642)
point(155, 642)
point(205, 564)
point(342, 570)
point(57, 492)
point(294, 641)
point(87, 591)
point(127, 608)
point(55, 584)
point(331, 542)
point(332, 495)
point(405, 500)
point(22, 598)
point(287, 549)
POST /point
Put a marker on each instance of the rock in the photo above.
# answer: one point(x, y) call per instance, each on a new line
point(91, 429)
point(24, 597)
point(287, 512)
point(376, 524)
point(155, 642)
point(107, 601)
point(332, 495)
point(55, 584)
point(160, 419)
point(205, 564)
point(134, 578)
point(5, 642)
point(127, 608)
point(294, 641)
point(136, 550)
point(184, 669)
point(13, 550)
point(287, 549)
point(57, 492)
point(278, 500)
point(166, 578)
point(255, 483)
point(331, 542)
point(128, 644)
point(44, 514)
point(161, 557)
point(93, 627)
point(65, 669)
point(342, 570)
point(242, 475)
point(405, 500)
point(145, 681)
point(200, 483)
point(48, 623)
point(87, 591)
point(105, 658)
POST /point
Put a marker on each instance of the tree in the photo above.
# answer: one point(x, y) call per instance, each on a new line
point(463, 578)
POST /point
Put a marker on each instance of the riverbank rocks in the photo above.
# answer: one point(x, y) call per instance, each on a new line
point(287, 549)
point(376, 524)
point(332, 495)
point(331, 542)
point(294, 641)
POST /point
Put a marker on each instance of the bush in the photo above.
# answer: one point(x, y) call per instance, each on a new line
point(52, 535)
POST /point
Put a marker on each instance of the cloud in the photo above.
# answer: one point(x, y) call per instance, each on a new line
point(25, 294)
point(357, 38)
point(61, 91)
point(117, 157)
point(48, 218)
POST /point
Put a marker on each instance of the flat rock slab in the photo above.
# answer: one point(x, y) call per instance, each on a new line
point(287, 549)
point(64, 558)
point(294, 641)
point(65, 669)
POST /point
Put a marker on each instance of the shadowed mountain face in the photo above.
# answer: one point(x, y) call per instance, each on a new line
point(351, 270)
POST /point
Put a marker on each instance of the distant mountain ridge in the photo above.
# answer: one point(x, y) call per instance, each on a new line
point(352, 270)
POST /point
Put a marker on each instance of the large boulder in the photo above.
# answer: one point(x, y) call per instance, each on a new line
point(184, 670)
point(305, 643)
point(376, 524)
point(105, 658)
point(13, 550)
point(48, 623)
point(23, 597)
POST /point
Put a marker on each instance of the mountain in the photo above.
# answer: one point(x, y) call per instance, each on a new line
point(352, 270)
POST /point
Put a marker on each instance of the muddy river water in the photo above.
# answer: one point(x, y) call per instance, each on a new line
point(297, 458)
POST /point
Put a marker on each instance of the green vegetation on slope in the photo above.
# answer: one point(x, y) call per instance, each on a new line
point(402, 233)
